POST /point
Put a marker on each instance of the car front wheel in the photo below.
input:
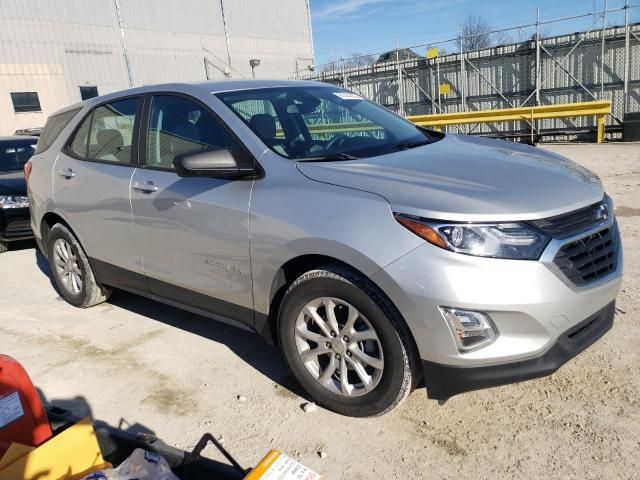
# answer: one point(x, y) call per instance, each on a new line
point(346, 343)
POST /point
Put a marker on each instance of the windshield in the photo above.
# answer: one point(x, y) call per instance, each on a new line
point(323, 122)
point(13, 155)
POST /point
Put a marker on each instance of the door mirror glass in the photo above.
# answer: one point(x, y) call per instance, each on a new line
point(216, 163)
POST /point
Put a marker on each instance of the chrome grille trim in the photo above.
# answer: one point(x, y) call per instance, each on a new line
point(577, 221)
point(590, 258)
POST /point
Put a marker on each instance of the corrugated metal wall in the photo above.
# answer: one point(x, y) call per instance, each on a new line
point(55, 46)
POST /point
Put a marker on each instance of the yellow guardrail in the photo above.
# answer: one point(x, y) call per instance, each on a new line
point(328, 128)
point(599, 109)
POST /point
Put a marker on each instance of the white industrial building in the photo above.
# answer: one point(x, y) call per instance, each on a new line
point(55, 52)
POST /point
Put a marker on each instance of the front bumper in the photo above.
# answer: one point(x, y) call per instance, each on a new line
point(533, 307)
point(15, 224)
point(445, 381)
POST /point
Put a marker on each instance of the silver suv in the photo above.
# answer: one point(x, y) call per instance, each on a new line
point(378, 255)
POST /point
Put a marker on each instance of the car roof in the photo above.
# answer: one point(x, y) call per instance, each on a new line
point(193, 87)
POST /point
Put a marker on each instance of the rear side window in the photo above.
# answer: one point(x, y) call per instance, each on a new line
point(80, 140)
point(53, 127)
point(14, 155)
point(106, 134)
point(178, 125)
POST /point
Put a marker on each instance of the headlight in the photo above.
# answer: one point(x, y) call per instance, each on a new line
point(13, 201)
point(496, 240)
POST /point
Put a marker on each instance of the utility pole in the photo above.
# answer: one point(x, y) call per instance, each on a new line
point(604, 26)
point(626, 56)
point(463, 105)
point(400, 82)
point(538, 66)
point(125, 53)
point(438, 86)
point(226, 32)
point(345, 83)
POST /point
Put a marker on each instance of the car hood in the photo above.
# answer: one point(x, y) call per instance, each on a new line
point(12, 183)
point(463, 178)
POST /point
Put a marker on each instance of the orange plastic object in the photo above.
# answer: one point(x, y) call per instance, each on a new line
point(22, 417)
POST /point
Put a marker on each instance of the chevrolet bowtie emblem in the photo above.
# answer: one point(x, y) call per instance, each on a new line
point(602, 213)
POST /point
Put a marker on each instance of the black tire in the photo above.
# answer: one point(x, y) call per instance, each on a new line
point(3, 247)
point(91, 292)
point(401, 361)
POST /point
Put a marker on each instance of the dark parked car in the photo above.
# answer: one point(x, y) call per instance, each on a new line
point(30, 132)
point(14, 206)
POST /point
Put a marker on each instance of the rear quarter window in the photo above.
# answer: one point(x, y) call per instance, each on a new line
point(53, 127)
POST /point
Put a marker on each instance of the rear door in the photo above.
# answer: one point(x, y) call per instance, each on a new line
point(92, 178)
point(193, 231)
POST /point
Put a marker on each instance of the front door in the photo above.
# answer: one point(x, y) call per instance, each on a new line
point(193, 231)
point(91, 186)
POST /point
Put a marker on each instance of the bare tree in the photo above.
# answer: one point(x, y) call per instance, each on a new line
point(543, 34)
point(329, 67)
point(501, 38)
point(359, 60)
point(476, 33)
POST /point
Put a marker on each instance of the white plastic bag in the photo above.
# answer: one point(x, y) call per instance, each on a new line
point(141, 465)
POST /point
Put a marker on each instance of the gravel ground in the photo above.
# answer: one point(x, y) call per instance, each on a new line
point(146, 366)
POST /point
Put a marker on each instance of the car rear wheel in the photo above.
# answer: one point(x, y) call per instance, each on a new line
point(71, 270)
point(346, 343)
point(3, 247)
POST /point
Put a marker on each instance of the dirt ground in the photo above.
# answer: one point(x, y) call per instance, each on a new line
point(143, 365)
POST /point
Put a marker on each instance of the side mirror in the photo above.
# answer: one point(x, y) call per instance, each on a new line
point(216, 163)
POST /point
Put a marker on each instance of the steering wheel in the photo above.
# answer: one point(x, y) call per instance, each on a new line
point(336, 141)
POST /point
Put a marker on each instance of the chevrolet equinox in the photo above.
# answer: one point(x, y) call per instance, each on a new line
point(378, 255)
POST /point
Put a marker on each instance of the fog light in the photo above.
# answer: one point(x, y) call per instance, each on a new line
point(470, 329)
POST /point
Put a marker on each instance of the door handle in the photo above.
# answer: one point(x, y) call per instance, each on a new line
point(67, 173)
point(146, 187)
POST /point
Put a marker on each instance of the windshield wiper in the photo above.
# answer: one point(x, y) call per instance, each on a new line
point(332, 157)
point(408, 145)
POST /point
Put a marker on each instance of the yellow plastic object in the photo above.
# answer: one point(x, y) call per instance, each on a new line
point(278, 466)
point(70, 455)
point(599, 109)
point(16, 450)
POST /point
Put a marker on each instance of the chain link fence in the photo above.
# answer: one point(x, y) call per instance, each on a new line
point(526, 68)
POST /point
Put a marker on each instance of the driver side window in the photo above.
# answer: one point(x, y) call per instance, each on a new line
point(178, 125)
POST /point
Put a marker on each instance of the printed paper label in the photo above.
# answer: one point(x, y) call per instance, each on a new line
point(286, 468)
point(347, 96)
point(10, 409)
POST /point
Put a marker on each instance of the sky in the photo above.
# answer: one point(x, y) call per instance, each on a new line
point(345, 27)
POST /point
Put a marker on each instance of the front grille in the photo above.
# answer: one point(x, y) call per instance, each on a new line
point(590, 258)
point(568, 224)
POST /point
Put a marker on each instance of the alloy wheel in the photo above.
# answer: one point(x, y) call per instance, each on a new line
point(339, 347)
point(67, 267)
